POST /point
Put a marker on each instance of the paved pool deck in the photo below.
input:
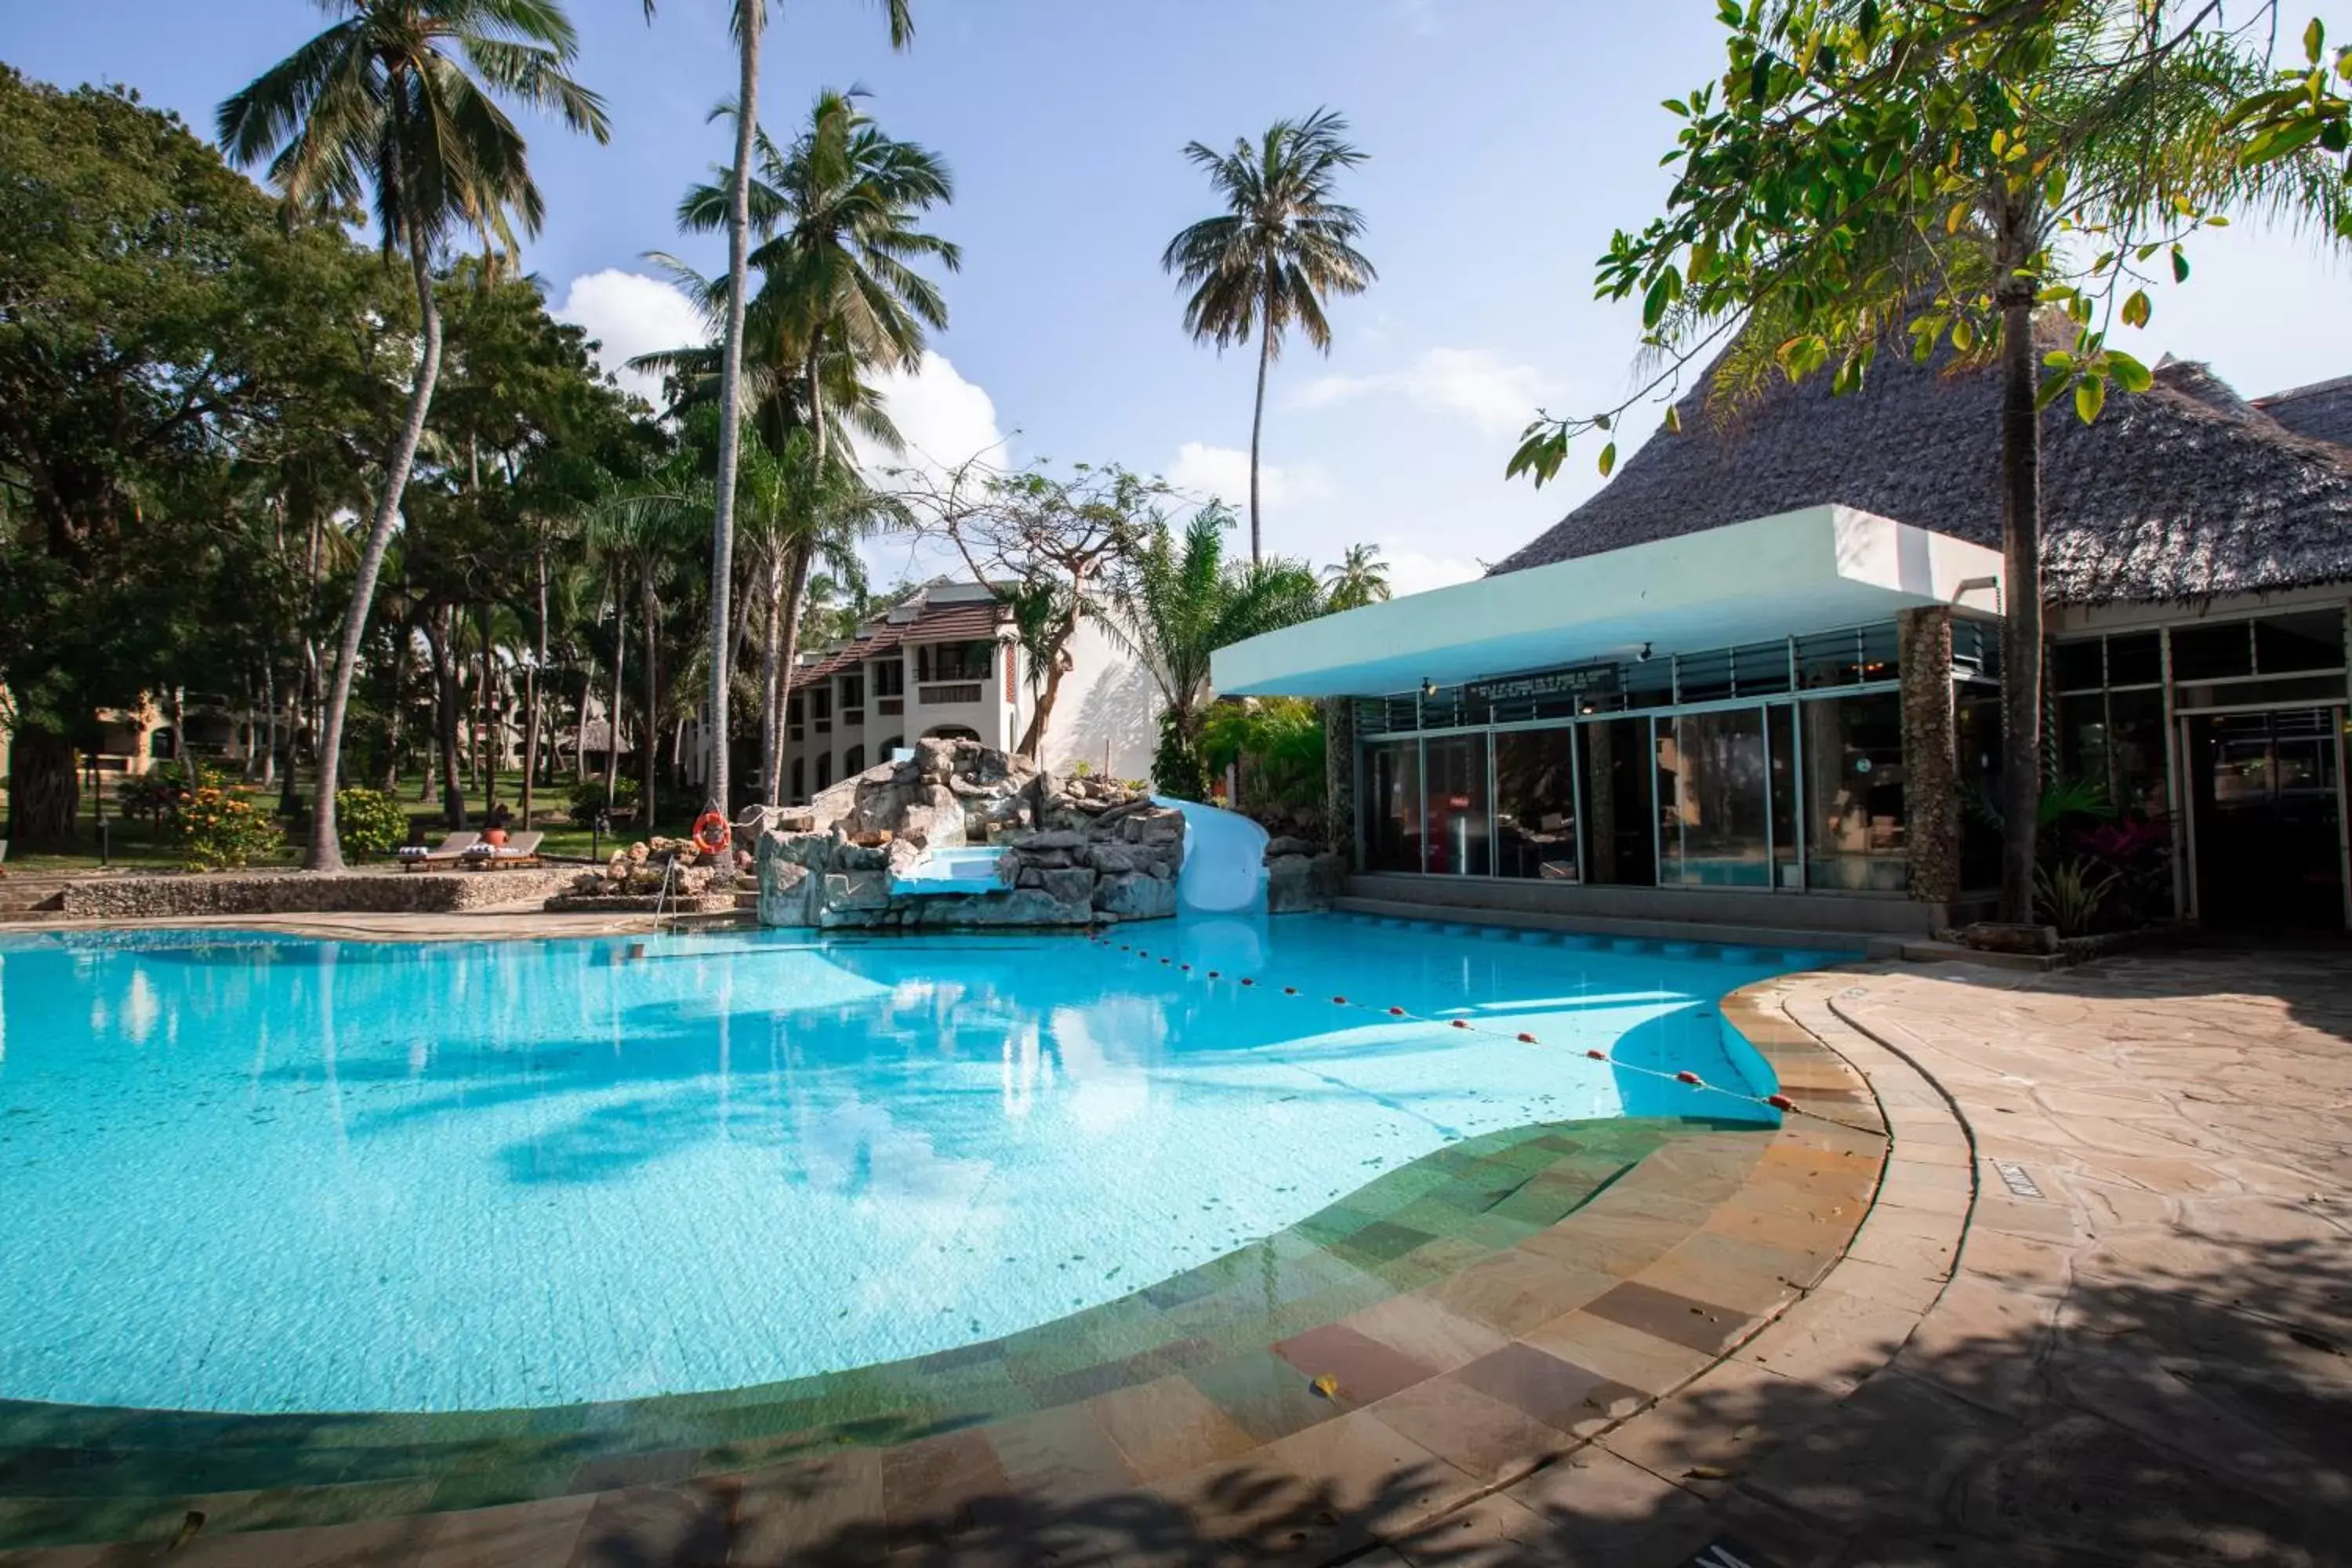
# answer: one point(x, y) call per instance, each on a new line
point(2044, 1268)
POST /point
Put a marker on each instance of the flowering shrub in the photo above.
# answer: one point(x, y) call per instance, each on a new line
point(368, 822)
point(154, 793)
point(217, 830)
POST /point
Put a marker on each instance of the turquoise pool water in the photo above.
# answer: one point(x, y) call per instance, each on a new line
point(259, 1173)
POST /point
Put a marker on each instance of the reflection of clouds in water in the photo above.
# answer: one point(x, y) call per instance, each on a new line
point(1105, 1092)
point(140, 1008)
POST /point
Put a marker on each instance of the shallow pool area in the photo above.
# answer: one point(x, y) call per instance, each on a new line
point(257, 1173)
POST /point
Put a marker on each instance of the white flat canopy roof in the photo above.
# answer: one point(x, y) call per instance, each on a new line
point(1817, 569)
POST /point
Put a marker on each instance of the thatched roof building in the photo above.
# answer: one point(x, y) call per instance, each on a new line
point(2321, 411)
point(2184, 492)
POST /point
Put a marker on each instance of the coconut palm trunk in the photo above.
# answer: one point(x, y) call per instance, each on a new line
point(649, 612)
point(796, 580)
point(326, 849)
point(773, 678)
point(1258, 415)
point(749, 20)
point(2020, 635)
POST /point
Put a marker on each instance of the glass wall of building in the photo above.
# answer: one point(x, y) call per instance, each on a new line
point(1770, 766)
point(1392, 781)
point(1453, 780)
point(1535, 805)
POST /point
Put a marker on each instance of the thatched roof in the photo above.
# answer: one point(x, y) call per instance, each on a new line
point(2323, 411)
point(2183, 492)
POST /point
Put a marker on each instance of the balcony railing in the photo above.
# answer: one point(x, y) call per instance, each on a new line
point(853, 718)
point(940, 696)
point(890, 707)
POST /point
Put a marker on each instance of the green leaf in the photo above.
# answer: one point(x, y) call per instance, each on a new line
point(2136, 309)
point(1608, 459)
point(2051, 386)
point(2129, 373)
point(1729, 12)
point(2315, 39)
point(1674, 418)
point(2089, 398)
point(2179, 266)
point(1964, 336)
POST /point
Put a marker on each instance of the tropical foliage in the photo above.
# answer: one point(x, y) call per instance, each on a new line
point(1864, 171)
point(1279, 250)
point(395, 103)
point(1177, 600)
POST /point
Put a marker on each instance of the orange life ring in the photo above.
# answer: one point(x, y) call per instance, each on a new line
point(703, 833)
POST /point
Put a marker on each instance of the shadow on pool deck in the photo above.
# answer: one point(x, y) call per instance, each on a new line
point(2184, 1418)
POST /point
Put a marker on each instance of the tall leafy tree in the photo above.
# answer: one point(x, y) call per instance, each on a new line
point(1281, 247)
point(840, 209)
point(749, 22)
point(1868, 170)
point(397, 102)
point(1358, 578)
point(1178, 601)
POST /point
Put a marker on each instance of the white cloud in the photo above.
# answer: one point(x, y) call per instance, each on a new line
point(944, 418)
point(1478, 384)
point(630, 314)
point(1223, 472)
point(1414, 570)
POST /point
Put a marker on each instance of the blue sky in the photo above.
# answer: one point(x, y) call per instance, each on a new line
point(1508, 137)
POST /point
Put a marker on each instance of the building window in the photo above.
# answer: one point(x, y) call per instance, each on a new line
point(853, 761)
point(1535, 805)
point(2110, 708)
point(953, 661)
point(1392, 806)
point(888, 749)
point(823, 769)
point(799, 779)
point(820, 703)
point(1717, 824)
point(1455, 805)
point(1854, 794)
point(951, 732)
point(890, 677)
point(852, 692)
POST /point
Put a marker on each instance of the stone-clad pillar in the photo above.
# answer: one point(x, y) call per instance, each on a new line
point(1340, 805)
point(1931, 791)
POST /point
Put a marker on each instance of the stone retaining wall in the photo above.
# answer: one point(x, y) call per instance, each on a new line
point(134, 897)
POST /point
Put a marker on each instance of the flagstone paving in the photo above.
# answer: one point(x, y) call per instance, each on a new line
point(2044, 1268)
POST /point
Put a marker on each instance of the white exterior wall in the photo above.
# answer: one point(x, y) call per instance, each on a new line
point(1108, 712)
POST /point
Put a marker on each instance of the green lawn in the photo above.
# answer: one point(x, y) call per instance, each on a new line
point(136, 842)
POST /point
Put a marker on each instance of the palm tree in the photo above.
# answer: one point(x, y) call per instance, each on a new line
point(1179, 601)
point(1358, 578)
point(397, 102)
point(1281, 246)
point(838, 291)
point(640, 529)
point(749, 21)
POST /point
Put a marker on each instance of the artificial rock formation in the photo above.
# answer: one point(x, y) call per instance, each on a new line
point(1079, 851)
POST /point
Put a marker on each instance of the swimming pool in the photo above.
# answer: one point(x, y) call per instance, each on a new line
point(245, 1173)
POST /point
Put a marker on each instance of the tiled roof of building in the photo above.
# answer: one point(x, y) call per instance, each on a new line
point(957, 620)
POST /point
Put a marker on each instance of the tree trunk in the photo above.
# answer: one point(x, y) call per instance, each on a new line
point(1056, 667)
point(774, 679)
point(751, 19)
point(43, 789)
point(530, 681)
point(269, 741)
point(648, 611)
point(2021, 633)
point(1257, 417)
point(488, 745)
point(396, 731)
point(326, 848)
point(440, 636)
point(580, 729)
point(612, 716)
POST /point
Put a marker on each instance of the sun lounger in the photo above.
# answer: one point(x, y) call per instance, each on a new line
point(519, 849)
point(449, 852)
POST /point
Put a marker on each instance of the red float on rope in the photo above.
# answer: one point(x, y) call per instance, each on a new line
point(1248, 981)
point(1338, 1001)
point(1396, 1012)
point(1686, 1076)
point(1526, 1039)
point(1185, 967)
point(1461, 1023)
point(1597, 1056)
point(1290, 990)
point(1779, 1103)
point(1213, 975)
